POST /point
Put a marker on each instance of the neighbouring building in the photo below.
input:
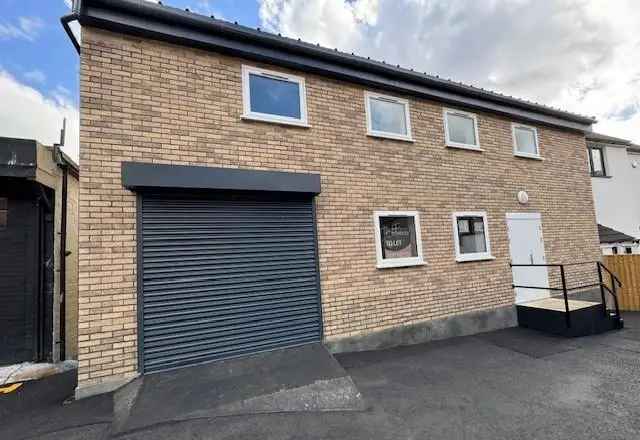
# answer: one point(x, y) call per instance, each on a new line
point(615, 242)
point(615, 174)
point(242, 191)
point(38, 253)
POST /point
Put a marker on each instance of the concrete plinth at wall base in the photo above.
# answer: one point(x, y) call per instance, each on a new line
point(34, 370)
point(441, 328)
point(83, 391)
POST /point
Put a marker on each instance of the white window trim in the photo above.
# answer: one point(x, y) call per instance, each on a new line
point(266, 117)
point(478, 256)
point(397, 262)
point(519, 153)
point(452, 144)
point(384, 134)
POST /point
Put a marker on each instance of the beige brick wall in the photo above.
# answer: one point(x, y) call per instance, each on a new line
point(148, 101)
point(71, 299)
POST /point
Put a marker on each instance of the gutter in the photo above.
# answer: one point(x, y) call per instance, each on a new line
point(73, 16)
point(65, 20)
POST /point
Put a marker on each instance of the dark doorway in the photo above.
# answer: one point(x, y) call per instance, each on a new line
point(26, 271)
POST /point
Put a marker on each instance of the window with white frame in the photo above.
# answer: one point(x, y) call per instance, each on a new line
point(273, 96)
point(461, 129)
point(525, 141)
point(398, 242)
point(387, 116)
point(471, 235)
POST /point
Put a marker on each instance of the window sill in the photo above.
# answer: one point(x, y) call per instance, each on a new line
point(392, 137)
point(465, 147)
point(274, 121)
point(396, 264)
point(528, 156)
point(470, 258)
point(601, 177)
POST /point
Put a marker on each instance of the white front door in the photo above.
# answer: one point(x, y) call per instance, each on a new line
point(527, 247)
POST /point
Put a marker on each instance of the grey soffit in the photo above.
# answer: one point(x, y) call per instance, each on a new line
point(137, 175)
point(18, 157)
point(161, 22)
point(605, 139)
point(608, 236)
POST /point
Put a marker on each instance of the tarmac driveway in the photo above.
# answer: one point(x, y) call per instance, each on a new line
point(510, 384)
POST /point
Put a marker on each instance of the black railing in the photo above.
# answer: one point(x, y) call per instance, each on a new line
point(612, 291)
point(566, 290)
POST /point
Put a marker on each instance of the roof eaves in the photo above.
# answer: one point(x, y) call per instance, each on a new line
point(176, 17)
point(606, 139)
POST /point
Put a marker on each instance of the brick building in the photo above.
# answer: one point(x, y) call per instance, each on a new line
point(242, 191)
point(38, 253)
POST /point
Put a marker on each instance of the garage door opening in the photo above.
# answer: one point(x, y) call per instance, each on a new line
point(225, 274)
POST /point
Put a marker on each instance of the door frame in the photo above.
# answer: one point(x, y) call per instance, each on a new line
point(139, 284)
point(526, 216)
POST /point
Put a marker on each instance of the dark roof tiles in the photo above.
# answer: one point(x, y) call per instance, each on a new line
point(608, 236)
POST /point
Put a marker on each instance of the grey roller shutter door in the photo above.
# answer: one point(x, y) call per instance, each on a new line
point(225, 277)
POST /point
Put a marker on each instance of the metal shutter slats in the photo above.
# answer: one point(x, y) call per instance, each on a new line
point(196, 357)
point(226, 277)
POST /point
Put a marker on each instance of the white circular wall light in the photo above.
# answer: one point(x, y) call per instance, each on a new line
point(523, 197)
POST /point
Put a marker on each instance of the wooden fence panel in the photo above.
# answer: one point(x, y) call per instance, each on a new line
point(627, 269)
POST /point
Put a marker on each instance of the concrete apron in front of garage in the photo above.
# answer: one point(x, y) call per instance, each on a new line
point(305, 378)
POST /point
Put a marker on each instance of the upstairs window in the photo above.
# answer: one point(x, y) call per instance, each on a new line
point(471, 236)
point(596, 162)
point(398, 240)
point(387, 117)
point(461, 130)
point(273, 96)
point(525, 141)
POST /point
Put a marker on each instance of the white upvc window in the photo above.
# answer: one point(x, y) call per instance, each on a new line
point(461, 130)
point(398, 242)
point(273, 97)
point(471, 236)
point(387, 116)
point(525, 141)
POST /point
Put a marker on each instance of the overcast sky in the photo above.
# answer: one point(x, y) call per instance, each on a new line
point(579, 55)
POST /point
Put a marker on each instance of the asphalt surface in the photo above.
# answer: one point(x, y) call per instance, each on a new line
point(306, 378)
point(510, 384)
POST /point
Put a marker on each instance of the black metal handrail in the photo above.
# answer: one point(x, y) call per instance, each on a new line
point(565, 290)
point(612, 291)
point(613, 275)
